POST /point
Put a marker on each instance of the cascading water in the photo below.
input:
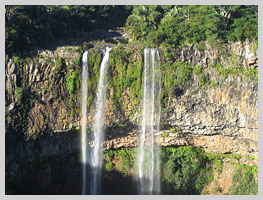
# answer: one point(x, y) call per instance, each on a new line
point(97, 149)
point(84, 117)
point(148, 157)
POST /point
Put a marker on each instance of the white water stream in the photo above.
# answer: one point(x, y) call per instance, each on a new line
point(84, 118)
point(96, 152)
point(148, 157)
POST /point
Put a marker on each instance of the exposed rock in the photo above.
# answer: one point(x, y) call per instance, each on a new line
point(220, 120)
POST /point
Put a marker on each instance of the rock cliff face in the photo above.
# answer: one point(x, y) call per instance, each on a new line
point(43, 78)
point(221, 119)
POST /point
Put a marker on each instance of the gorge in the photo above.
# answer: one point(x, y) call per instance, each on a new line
point(77, 118)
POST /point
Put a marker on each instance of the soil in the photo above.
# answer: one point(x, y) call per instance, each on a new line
point(221, 182)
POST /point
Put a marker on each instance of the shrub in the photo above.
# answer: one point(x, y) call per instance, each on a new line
point(244, 182)
point(175, 75)
point(184, 170)
point(18, 94)
point(197, 70)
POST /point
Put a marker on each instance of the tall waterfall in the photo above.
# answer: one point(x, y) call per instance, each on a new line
point(148, 157)
point(84, 118)
point(96, 152)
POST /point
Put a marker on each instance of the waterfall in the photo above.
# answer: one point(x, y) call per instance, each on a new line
point(148, 157)
point(84, 118)
point(96, 152)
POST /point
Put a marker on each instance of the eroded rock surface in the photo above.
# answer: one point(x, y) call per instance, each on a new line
point(219, 120)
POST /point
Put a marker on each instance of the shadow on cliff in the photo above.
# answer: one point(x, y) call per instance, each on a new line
point(115, 183)
point(62, 175)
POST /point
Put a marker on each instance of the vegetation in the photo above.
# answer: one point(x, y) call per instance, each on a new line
point(186, 170)
point(168, 25)
point(38, 25)
point(175, 26)
point(183, 169)
point(175, 75)
point(73, 86)
point(173, 130)
point(95, 58)
point(126, 160)
point(24, 101)
point(18, 94)
point(239, 70)
point(126, 74)
point(164, 26)
point(244, 180)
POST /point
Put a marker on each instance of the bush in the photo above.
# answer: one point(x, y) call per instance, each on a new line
point(175, 75)
point(73, 82)
point(18, 94)
point(184, 170)
point(73, 86)
point(233, 71)
point(197, 70)
point(126, 157)
point(244, 182)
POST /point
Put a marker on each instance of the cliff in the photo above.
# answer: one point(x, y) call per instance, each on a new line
point(213, 105)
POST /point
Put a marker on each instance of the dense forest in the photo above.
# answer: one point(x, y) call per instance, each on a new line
point(170, 25)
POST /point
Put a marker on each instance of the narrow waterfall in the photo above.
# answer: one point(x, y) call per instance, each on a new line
point(84, 118)
point(97, 149)
point(148, 157)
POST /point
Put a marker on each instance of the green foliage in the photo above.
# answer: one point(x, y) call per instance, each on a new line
point(126, 68)
point(251, 72)
point(25, 100)
point(108, 157)
point(95, 59)
point(73, 82)
point(143, 21)
point(18, 94)
point(244, 181)
point(197, 70)
point(184, 170)
point(201, 46)
point(31, 25)
point(175, 75)
point(233, 71)
point(60, 63)
point(219, 165)
point(244, 24)
point(126, 159)
point(176, 25)
point(108, 166)
point(216, 189)
point(73, 86)
point(174, 129)
point(244, 178)
point(203, 79)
